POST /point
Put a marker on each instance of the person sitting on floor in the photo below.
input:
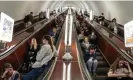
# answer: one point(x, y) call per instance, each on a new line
point(120, 70)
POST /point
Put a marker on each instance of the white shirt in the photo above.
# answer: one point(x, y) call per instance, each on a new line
point(115, 29)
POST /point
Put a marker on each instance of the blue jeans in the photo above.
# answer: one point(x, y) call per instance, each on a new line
point(92, 65)
point(32, 75)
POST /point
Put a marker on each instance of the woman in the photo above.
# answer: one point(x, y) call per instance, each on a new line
point(81, 35)
point(44, 55)
point(86, 44)
point(31, 53)
point(113, 26)
point(9, 73)
point(120, 69)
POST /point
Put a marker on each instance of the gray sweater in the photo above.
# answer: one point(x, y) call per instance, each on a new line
point(44, 55)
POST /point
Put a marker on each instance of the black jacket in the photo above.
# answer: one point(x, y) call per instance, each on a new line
point(88, 55)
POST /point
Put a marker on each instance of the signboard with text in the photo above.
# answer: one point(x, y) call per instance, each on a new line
point(128, 34)
point(6, 27)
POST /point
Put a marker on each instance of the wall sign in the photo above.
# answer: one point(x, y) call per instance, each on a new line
point(128, 34)
point(91, 15)
point(6, 27)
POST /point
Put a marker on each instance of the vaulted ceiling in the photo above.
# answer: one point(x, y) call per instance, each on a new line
point(121, 10)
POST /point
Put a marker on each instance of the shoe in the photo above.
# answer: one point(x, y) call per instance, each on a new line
point(94, 74)
point(91, 73)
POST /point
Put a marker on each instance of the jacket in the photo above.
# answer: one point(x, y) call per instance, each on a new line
point(88, 56)
point(44, 55)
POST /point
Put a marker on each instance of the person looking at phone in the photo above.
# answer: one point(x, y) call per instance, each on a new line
point(9, 73)
point(120, 69)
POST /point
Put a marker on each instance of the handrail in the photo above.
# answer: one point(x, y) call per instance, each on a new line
point(122, 27)
point(110, 21)
point(21, 21)
point(23, 30)
point(17, 33)
point(118, 36)
point(122, 53)
point(121, 38)
point(81, 59)
point(23, 41)
point(48, 75)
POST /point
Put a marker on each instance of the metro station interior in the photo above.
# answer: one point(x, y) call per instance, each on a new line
point(66, 40)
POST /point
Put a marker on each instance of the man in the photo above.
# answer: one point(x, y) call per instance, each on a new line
point(101, 19)
point(9, 73)
point(90, 59)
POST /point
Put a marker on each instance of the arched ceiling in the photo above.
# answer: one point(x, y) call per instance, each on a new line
point(122, 10)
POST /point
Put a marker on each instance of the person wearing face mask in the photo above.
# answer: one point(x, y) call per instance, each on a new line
point(44, 55)
point(120, 70)
point(90, 59)
point(113, 26)
point(9, 73)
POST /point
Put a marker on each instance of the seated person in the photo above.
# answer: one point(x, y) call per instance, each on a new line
point(77, 24)
point(93, 38)
point(86, 44)
point(9, 73)
point(90, 59)
point(120, 70)
point(86, 31)
point(113, 26)
point(81, 35)
point(53, 34)
point(44, 55)
point(30, 56)
point(81, 42)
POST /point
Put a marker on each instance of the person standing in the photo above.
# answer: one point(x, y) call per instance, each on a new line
point(113, 26)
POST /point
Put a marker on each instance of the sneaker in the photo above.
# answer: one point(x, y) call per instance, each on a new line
point(94, 74)
point(91, 73)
